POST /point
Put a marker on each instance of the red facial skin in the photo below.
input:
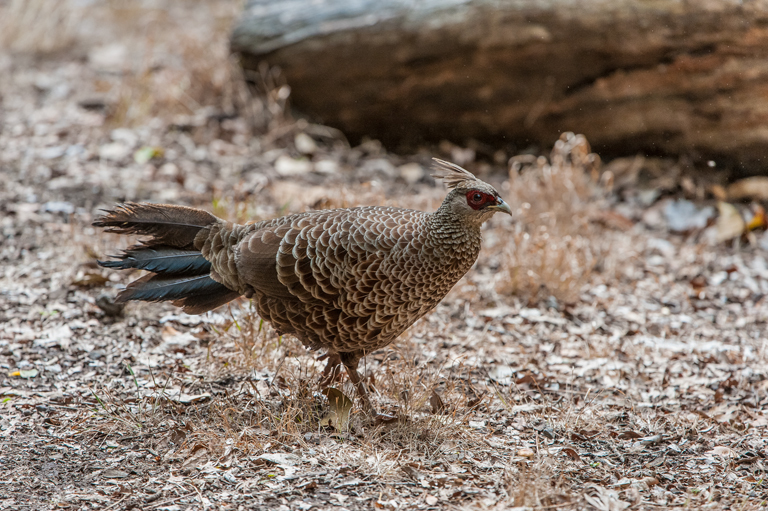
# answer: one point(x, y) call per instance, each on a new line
point(477, 199)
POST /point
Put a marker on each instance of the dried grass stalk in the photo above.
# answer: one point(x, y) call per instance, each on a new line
point(553, 250)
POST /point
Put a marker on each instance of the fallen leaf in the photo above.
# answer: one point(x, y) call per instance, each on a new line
point(698, 283)
point(759, 219)
point(527, 378)
point(719, 192)
point(412, 472)
point(503, 375)
point(340, 497)
point(749, 188)
point(172, 336)
point(604, 499)
point(525, 452)
point(436, 403)
point(612, 220)
point(197, 456)
point(683, 215)
point(341, 405)
point(650, 481)
point(572, 454)
point(722, 451)
point(622, 483)
point(146, 153)
point(475, 401)
point(729, 224)
point(24, 373)
point(189, 398)
point(280, 459)
point(528, 407)
point(91, 279)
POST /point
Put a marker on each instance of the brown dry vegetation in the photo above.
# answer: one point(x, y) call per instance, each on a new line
point(555, 247)
point(591, 359)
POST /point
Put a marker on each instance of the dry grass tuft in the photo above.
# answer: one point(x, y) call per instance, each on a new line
point(553, 249)
point(39, 27)
point(173, 68)
point(161, 59)
point(536, 485)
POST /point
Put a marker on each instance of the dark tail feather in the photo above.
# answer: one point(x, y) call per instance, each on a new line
point(159, 259)
point(180, 272)
point(160, 288)
point(195, 294)
point(174, 226)
point(203, 303)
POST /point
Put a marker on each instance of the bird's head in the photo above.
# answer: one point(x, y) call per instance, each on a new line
point(469, 198)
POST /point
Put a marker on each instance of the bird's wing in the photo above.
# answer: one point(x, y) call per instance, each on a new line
point(256, 259)
point(334, 257)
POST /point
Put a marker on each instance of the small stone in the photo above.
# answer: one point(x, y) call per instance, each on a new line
point(305, 144)
point(26, 373)
point(110, 57)
point(114, 151)
point(128, 137)
point(109, 307)
point(112, 473)
point(63, 207)
point(411, 172)
point(287, 166)
point(96, 354)
point(326, 167)
point(377, 168)
point(548, 432)
point(51, 153)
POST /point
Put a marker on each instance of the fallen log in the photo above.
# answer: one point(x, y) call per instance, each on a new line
point(663, 77)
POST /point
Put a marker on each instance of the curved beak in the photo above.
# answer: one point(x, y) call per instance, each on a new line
point(501, 207)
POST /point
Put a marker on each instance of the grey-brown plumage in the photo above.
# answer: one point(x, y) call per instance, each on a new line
point(347, 280)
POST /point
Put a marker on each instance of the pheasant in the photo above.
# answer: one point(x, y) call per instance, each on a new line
point(346, 280)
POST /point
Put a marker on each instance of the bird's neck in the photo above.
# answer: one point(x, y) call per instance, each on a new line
point(446, 228)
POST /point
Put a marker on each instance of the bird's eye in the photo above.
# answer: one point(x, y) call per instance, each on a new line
point(476, 199)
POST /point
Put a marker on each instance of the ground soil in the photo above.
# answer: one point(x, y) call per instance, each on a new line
point(611, 362)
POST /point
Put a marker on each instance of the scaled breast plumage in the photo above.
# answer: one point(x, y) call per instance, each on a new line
point(350, 279)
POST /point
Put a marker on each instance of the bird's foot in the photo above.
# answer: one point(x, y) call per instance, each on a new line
point(332, 371)
point(350, 361)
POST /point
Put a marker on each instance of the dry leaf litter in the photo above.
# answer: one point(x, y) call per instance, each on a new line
point(607, 351)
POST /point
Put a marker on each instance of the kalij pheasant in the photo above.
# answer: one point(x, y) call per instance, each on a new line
point(347, 280)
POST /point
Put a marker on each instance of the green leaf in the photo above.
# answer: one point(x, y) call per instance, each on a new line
point(146, 153)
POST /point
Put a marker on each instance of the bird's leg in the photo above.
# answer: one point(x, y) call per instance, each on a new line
point(332, 369)
point(351, 361)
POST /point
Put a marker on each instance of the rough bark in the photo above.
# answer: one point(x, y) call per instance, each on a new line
point(661, 77)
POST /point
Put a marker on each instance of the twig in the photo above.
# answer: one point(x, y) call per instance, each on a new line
point(168, 501)
point(116, 503)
